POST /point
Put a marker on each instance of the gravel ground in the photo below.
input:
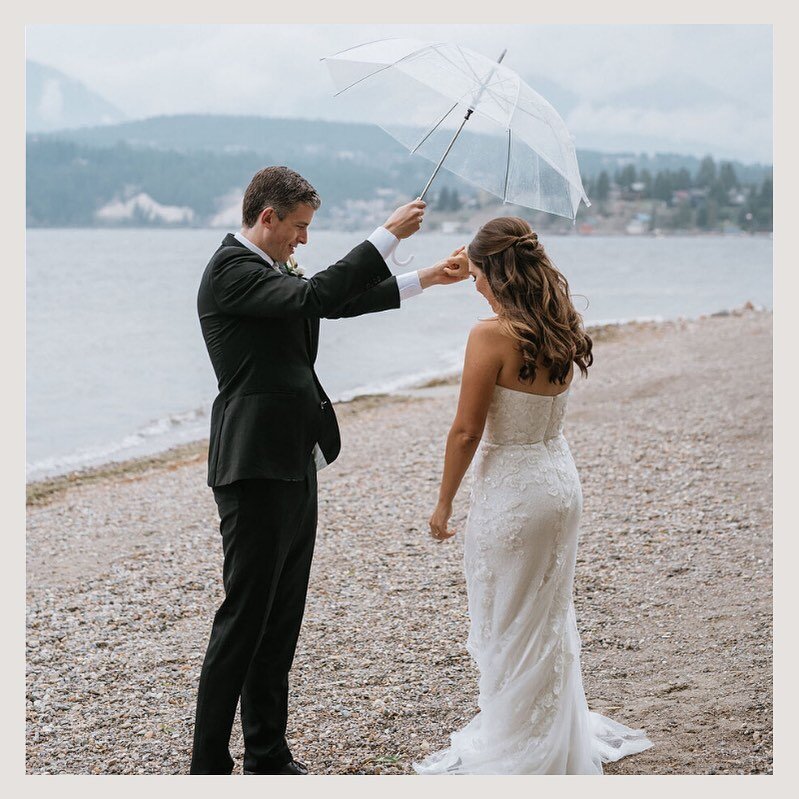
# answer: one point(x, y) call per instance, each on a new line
point(672, 437)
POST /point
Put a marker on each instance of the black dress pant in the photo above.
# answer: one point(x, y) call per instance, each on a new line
point(268, 531)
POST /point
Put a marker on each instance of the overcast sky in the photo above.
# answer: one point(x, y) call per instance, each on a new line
point(684, 88)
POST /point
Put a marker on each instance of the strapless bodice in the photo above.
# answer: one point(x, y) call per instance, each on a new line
point(515, 417)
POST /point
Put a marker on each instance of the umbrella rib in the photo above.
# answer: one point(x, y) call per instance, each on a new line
point(361, 80)
point(468, 64)
point(492, 80)
point(453, 64)
point(433, 129)
point(383, 69)
point(488, 82)
point(507, 171)
point(483, 84)
point(373, 41)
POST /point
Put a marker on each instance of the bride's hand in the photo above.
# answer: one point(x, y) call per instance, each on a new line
point(438, 523)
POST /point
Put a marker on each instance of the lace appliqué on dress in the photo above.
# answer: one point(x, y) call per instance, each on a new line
point(520, 552)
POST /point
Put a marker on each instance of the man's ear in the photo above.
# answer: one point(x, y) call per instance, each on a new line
point(268, 216)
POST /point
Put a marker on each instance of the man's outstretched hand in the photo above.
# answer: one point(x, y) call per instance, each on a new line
point(406, 220)
point(450, 270)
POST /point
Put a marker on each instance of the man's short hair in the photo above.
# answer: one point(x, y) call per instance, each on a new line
point(278, 186)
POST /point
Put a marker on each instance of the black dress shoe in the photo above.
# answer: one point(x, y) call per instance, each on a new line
point(292, 767)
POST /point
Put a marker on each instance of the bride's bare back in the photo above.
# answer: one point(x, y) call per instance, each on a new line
point(507, 352)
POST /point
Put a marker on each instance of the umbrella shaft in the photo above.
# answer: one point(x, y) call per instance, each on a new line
point(446, 153)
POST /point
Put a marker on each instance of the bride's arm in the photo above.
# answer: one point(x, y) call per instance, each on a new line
point(480, 369)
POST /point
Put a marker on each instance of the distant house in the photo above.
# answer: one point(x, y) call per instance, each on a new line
point(730, 229)
point(452, 226)
point(636, 226)
point(680, 196)
point(698, 197)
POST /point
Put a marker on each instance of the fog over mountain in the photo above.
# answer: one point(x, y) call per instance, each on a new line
point(693, 89)
point(54, 101)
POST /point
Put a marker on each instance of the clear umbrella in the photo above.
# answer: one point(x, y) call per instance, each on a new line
point(469, 113)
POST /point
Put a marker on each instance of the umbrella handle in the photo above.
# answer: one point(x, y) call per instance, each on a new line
point(397, 260)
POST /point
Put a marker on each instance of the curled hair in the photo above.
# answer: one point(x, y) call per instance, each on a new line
point(536, 307)
point(278, 186)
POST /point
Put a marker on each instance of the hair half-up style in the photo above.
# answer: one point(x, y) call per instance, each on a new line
point(536, 307)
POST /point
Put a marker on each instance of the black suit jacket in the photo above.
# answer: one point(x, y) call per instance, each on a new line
point(261, 329)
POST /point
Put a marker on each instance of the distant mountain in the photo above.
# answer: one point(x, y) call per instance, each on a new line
point(296, 141)
point(72, 184)
point(192, 169)
point(54, 101)
point(270, 136)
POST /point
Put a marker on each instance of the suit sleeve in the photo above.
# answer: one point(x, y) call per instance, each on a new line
point(243, 287)
point(383, 297)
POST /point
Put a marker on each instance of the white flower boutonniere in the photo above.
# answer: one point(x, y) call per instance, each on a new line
point(293, 268)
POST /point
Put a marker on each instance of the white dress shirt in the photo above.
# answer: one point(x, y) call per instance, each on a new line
point(385, 243)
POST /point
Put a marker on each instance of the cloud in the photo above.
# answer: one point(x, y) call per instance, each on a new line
point(275, 70)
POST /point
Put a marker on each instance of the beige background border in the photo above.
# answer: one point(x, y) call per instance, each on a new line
point(12, 474)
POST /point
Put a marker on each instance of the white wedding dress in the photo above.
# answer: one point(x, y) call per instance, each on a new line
point(520, 550)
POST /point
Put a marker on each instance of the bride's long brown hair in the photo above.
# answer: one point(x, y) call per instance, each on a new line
point(536, 307)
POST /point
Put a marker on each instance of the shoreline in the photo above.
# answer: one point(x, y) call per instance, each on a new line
point(672, 594)
point(39, 488)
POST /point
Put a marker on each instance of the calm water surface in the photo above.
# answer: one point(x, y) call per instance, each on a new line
point(116, 364)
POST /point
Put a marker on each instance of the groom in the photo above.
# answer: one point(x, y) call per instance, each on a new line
point(272, 428)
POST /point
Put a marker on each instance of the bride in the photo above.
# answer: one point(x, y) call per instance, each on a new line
point(521, 534)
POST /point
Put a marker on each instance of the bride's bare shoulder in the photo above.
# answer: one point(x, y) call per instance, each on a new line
point(488, 334)
point(486, 345)
point(486, 330)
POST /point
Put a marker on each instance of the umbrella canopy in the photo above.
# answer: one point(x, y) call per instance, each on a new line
point(513, 143)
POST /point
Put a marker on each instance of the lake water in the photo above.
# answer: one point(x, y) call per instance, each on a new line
point(116, 365)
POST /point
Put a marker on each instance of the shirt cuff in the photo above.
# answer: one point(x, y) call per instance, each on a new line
point(409, 285)
point(384, 242)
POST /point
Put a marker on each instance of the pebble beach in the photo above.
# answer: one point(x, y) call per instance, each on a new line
point(672, 436)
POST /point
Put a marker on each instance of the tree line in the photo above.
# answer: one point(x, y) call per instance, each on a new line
point(705, 200)
point(67, 182)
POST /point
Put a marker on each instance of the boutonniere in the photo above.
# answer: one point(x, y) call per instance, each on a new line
point(293, 268)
